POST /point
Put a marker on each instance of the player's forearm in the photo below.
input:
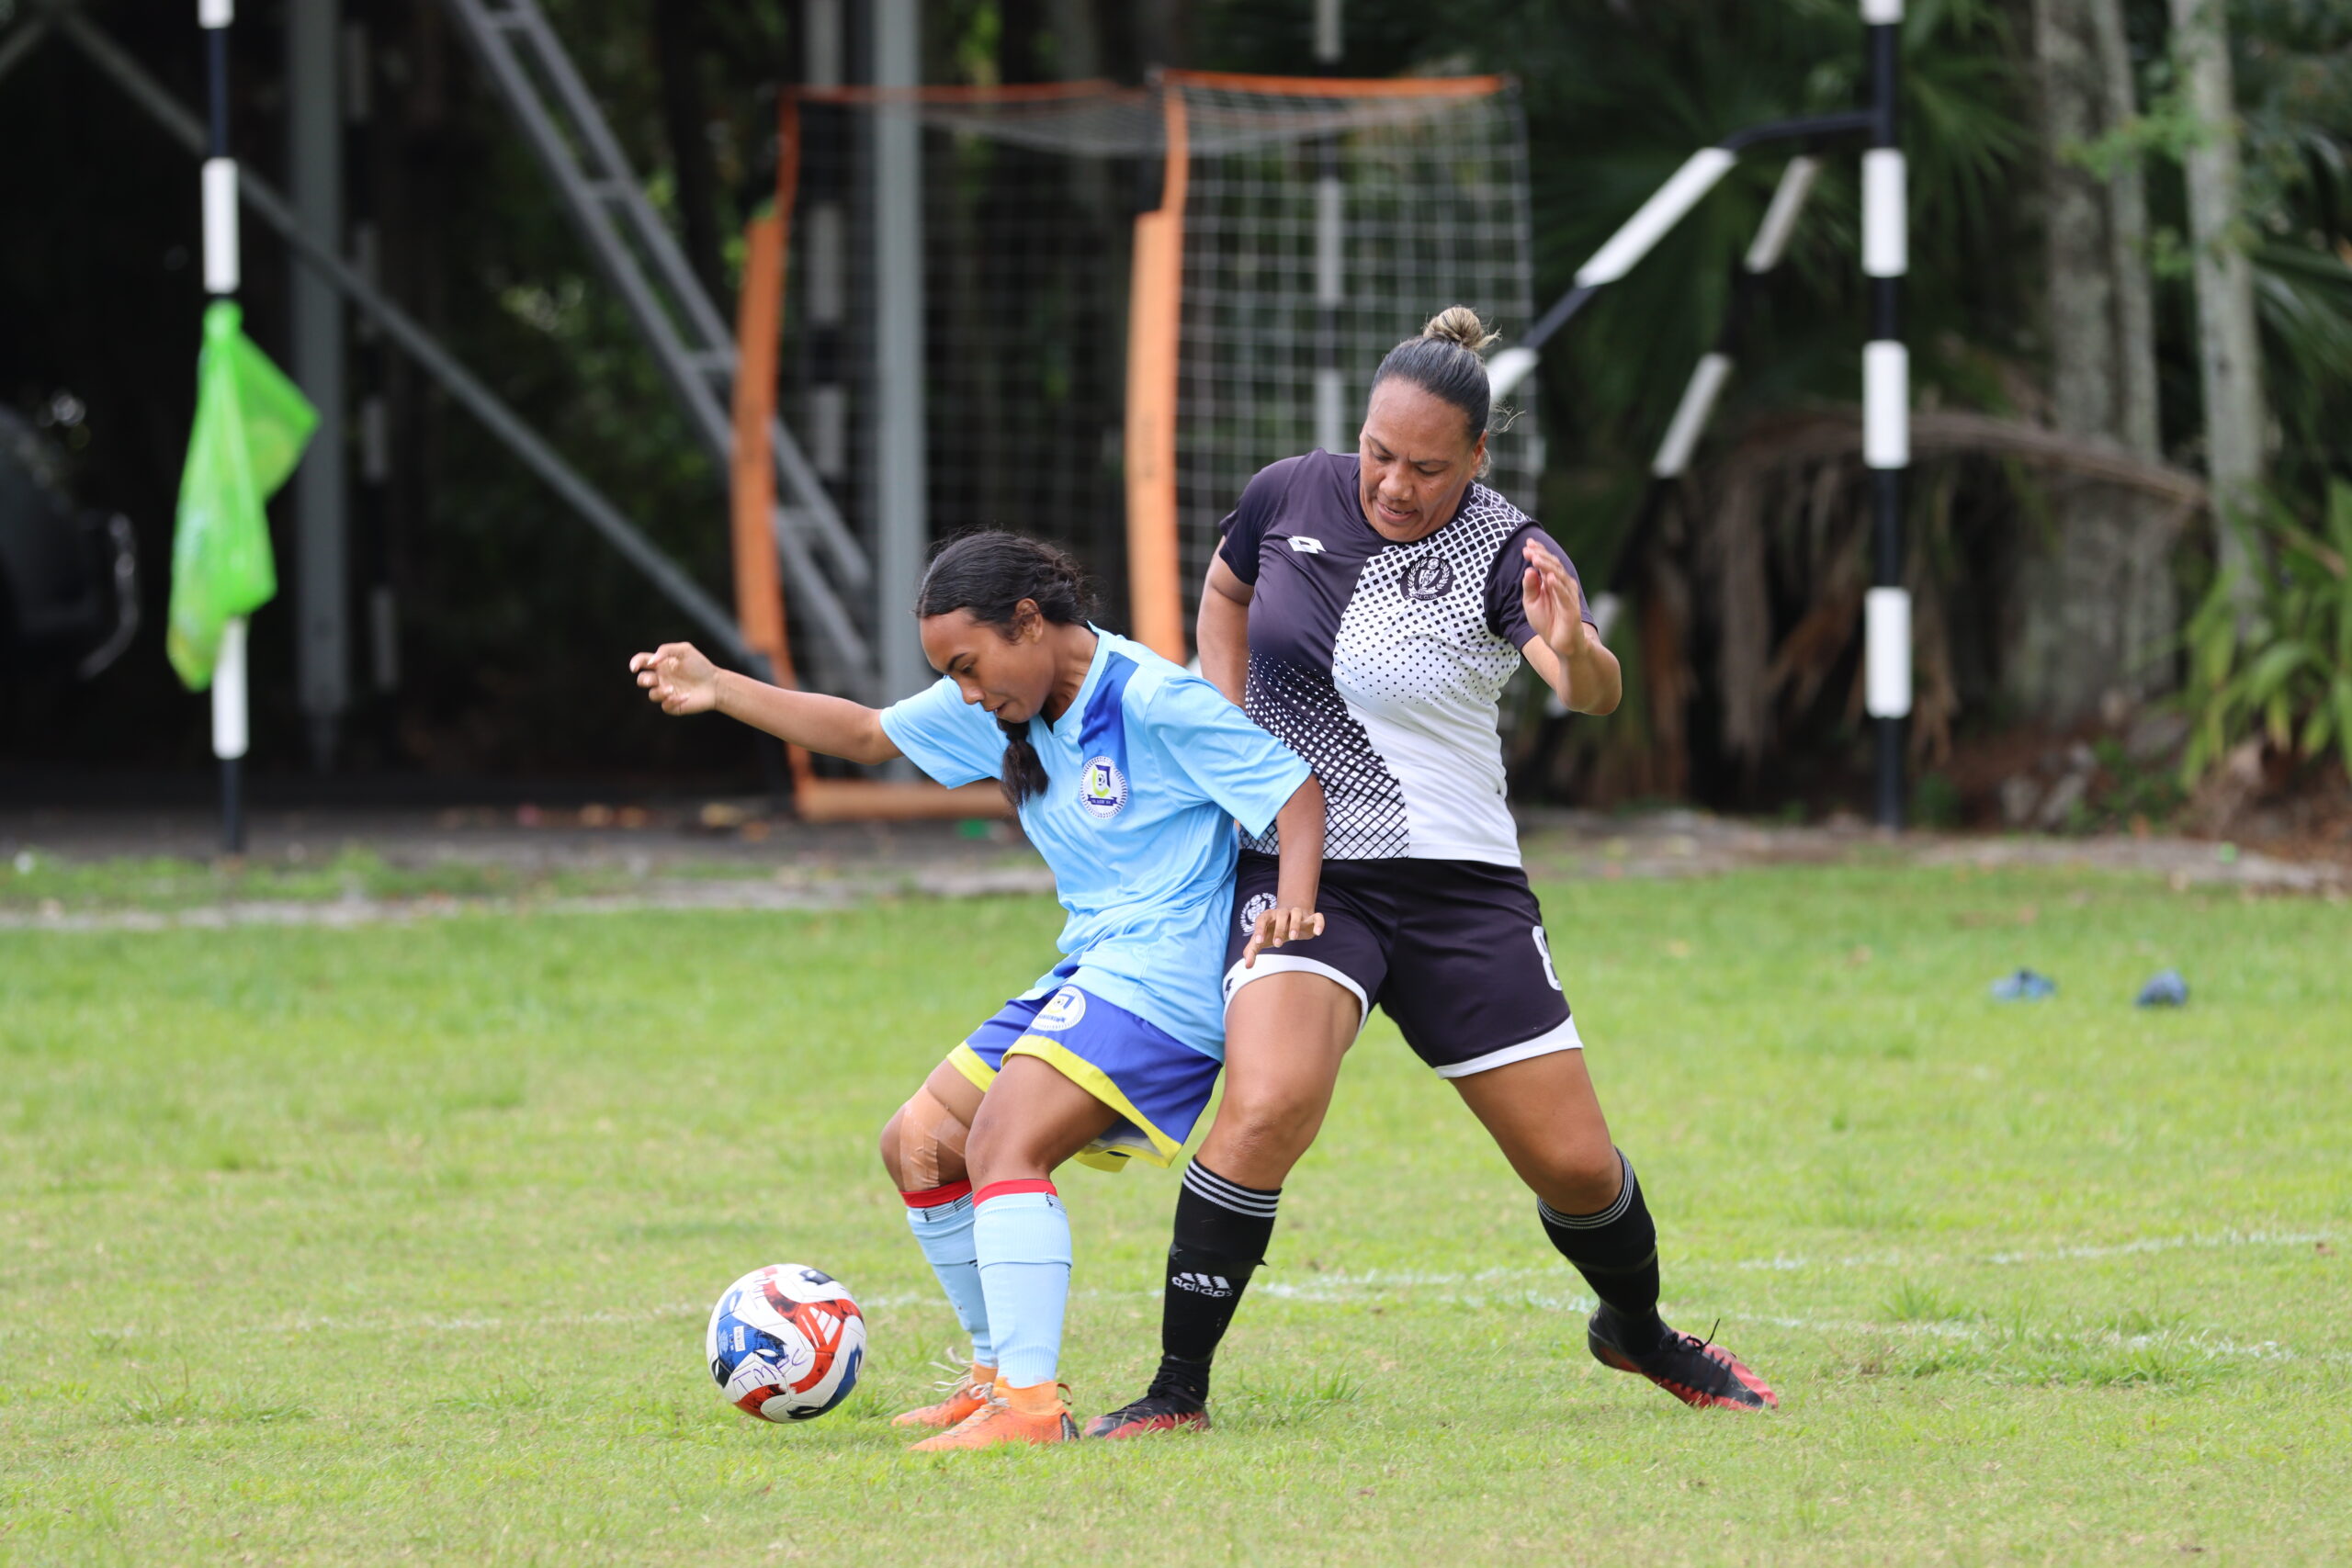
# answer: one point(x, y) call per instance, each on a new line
point(1299, 876)
point(1593, 679)
point(833, 726)
point(1222, 635)
point(1590, 682)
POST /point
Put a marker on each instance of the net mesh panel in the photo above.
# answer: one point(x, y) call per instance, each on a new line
point(1434, 212)
point(1028, 212)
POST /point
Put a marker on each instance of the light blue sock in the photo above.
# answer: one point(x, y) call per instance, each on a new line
point(1022, 1240)
point(943, 1231)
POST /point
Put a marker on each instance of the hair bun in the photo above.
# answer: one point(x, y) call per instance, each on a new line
point(1460, 323)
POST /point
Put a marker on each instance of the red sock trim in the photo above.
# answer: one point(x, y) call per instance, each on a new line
point(1007, 1188)
point(936, 1196)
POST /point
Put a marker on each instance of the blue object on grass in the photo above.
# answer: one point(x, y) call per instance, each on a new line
point(2025, 986)
point(2167, 989)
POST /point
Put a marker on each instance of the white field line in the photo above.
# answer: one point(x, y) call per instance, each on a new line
point(2218, 1241)
point(736, 895)
point(1496, 1288)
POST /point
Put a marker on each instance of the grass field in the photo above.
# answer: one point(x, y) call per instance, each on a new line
point(397, 1241)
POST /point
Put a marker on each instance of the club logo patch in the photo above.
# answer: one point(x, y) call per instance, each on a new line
point(1257, 905)
point(1431, 577)
point(1101, 788)
point(1066, 1008)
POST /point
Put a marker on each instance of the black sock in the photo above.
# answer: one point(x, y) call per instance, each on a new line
point(1616, 1251)
point(1222, 1229)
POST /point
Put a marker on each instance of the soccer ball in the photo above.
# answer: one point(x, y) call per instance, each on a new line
point(784, 1342)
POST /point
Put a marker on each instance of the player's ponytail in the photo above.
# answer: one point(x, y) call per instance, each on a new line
point(1445, 361)
point(990, 574)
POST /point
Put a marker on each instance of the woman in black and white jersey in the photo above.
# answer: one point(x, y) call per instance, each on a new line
point(1367, 609)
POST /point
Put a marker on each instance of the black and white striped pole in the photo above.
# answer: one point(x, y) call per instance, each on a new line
point(231, 729)
point(1886, 413)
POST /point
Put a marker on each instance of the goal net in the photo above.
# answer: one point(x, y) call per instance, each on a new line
point(1131, 300)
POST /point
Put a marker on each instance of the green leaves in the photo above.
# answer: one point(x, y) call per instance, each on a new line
point(2283, 669)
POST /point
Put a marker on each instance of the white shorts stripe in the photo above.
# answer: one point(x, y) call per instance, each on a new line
point(1281, 963)
point(1564, 1038)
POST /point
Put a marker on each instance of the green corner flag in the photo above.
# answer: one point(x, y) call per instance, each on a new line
point(251, 424)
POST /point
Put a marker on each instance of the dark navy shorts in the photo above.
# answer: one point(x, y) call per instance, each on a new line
point(1452, 949)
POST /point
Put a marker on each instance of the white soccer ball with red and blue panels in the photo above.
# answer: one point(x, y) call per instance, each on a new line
point(786, 1342)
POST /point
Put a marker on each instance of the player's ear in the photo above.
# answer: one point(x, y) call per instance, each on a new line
point(1028, 622)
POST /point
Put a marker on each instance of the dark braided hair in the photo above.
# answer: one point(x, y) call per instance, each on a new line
point(1446, 361)
point(990, 574)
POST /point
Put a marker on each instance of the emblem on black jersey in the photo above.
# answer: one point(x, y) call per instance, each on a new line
point(1101, 788)
point(1300, 545)
point(1431, 577)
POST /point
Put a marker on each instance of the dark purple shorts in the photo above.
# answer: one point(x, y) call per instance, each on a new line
point(1454, 950)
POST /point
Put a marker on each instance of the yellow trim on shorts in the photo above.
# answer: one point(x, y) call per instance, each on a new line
point(1097, 1082)
point(966, 1061)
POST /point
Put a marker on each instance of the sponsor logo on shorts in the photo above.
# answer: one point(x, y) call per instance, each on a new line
point(1301, 544)
point(1431, 577)
point(1066, 1008)
point(1101, 788)
point(1258, 904)
point(1544, 951)
point(1203, 1284)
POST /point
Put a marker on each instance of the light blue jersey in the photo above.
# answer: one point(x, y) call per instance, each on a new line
point(1146, 773)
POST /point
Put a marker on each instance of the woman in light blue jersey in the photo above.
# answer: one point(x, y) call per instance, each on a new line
point(1128, 775)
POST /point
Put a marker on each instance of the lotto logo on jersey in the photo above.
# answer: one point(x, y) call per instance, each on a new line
point(1258, 904)
point(1066, 1008)
point(1431, 577)
point(1300, 545)
point(1101, 788)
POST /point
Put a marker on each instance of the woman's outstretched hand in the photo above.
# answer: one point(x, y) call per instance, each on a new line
point(1278, 926)
point(677, 676)
point(1555, 607)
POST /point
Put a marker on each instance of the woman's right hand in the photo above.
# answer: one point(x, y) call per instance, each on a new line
point(677, 676)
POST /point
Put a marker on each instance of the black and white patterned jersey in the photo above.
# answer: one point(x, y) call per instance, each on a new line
point(1381, 664)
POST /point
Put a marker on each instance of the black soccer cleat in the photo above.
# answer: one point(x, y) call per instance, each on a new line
point(1165, 1407)
point(1698, 1372)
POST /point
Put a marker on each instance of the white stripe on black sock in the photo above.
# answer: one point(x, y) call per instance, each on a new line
point(1208, 1186)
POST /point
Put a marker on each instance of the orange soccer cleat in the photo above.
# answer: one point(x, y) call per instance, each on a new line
point(1038, 1414)
point(967, 1392)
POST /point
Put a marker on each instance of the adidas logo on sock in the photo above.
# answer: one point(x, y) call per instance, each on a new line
point(1204, 1284)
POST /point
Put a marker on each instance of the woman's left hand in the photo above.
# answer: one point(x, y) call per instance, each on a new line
point(1555, 605)
point(1278, 926)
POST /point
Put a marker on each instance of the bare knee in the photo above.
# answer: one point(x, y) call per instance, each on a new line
point(1256, 1141)
point(1576, 1179)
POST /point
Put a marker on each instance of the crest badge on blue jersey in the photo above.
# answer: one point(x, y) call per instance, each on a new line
point(1101, 788)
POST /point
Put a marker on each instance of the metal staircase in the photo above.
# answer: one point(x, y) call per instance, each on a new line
point(827, 570)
